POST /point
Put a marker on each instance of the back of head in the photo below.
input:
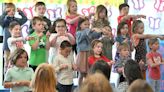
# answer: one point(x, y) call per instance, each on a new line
point(44, 79)
point(132, 71)
point(101, 67)
point(95, 83)
point(139, 85)
point(122, 6)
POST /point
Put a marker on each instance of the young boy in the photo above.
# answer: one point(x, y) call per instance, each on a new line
point(5, 19)
point(124, 10)
point(64, 65)
point(124, 55)
point(154, 60)
point(40, 9)
point(39, 45)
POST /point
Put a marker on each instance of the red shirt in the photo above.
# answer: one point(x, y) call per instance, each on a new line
point(154, 72)
point(129, 22)
point(93, 59)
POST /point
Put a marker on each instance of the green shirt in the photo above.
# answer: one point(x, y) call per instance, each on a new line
point(38, 56)
point(19, 74)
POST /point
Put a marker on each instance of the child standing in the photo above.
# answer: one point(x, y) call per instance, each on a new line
point(154, 60)
point(123, 50)
point(122, 37)
point(124, 10)
point(138, 40)
point(97, 46)
point(64, 65)
point(18, 77)
point(56, 38)
point(16, 40)
point(108, 41)
point(5, 19)
point(101, 17)
point(83, 40)
point(39, 45)
point(40, 9)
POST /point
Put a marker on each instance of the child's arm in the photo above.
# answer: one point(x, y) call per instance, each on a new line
point(150, 62)
point(71, 38)
point(53, 41)
point(72, 21)
point(127, 17)
point(36, 44)
point(23, 19)
point(147, 36)
point(16, 83)
point(47, 40)
point(2, 18)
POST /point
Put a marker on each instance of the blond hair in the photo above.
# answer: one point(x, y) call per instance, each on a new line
point(99, 9)
point(44, 79)
point(68, 6)
point(96, 83)
point(140, 85)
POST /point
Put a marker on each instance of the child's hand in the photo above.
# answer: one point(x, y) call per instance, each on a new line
point(111, 63)
point(74, 67)
point(161, 37)
point(48, 34)
point(18, 10)
point(40, 35)
point(81, 16)
point(24, 83)
point(120, 70)
point(63, 66)
point(28, 38)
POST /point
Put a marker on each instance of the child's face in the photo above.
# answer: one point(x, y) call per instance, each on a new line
point(10, 11)
point(16, 31)
point(39, 26)
point(124, 52)
point(66, 51)
point(85, 25)
point(124, 30)
point(155, 46)
point(73, 7)
point(140, 28)
point(40, 10)
point(97, 49)
point(22, 60)
point(102, 14)
point(125, 10)
point(107, 31)
point(60, 27)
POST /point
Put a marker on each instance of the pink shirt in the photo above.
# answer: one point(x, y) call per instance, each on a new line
point(72, 27)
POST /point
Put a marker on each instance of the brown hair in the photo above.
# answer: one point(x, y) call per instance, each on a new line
point(68, 5)
point(13, 24)
point(9, 5)
point(39, 4)
point(122, 46)
point(96, 83)
point(95, 42)
point(140, 85)
point(99, 9)
point(36, 19)
point(44, 79)
point(152, 41)
point(135, 25)
point(16, 55)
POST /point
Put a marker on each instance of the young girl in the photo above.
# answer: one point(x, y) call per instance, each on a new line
point(100, 18)
point(18, 77)
point(16, 41)
point(122, 36)
point(97, 53)
point(44, 79)
point(138, 40)
point(154, 60)
point(83, 37)
point(64, 65)
point(108, 41)
point(56, 38)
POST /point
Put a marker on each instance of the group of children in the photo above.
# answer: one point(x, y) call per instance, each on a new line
point(56, 44)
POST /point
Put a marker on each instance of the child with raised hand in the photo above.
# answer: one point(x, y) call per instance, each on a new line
point(64, 66)
point(154, 60)
point(100, 18)
point(39, 45)
point(40, 9)
point(124, 11)
point(56, 38)
point(108, 41)
point(5, 19)
point(16, 40)
point(139, 43)
point(18, 77)
point(122, 37)
point(83, 40)
point(97, 54)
